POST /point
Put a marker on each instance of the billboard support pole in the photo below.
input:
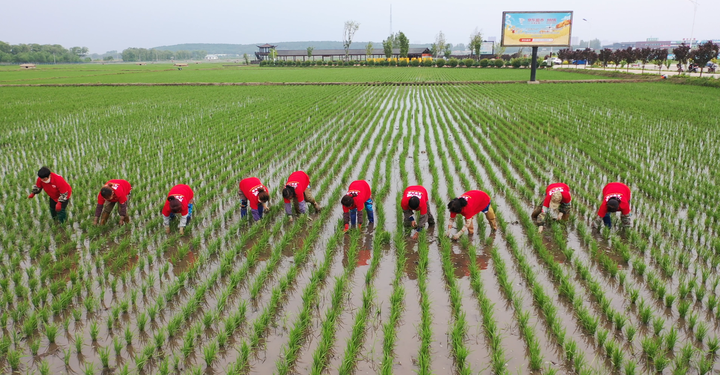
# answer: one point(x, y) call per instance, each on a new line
point(533, 64)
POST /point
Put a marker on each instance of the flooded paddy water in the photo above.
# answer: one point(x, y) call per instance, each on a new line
point(301, 296)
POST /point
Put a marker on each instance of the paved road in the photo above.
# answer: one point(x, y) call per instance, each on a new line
point(649, 68)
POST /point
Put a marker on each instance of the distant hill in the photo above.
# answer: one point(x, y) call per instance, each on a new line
point(239, 49)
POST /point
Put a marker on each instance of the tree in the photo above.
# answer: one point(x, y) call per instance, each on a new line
point(440, 43)
point(309, 52)
point(404, 44)
point(629, 56)
point(246, 58)
point(564, 55)
point(388, 46)
point(659, 56)
point(499, 50)
point(617, 57)
point(605, 56)
point(704, 53)
point(108, 58)
point(348, 33)
point(272, 55)
point(644, 54)
point(475, 43)
point(368, 50)
point(682, 53)
point(448, 50)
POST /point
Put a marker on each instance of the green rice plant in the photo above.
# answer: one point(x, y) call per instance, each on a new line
point(141, 321)
point(210, 353)
point(78, 343)
point(692, 321)
point(634, 294)
point(661, 361)
point(117, 345)
point(51, 331)
point(713, 345)
point(34, 346)
point(630, 332)
point(671, 338)
point(701, 331)
point(683, 307)
point(128, 336)
point(686, 354)
point(66, 356)
point(104, 353)
point(630, 367)
point(44, 367)
point(669, 299)
point(658, 325)
point(705, 365)
point(94, 330)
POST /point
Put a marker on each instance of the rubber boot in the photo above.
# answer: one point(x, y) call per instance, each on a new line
point(490, 215)
point(104, 218)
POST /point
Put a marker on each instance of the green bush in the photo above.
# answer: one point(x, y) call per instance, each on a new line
point(440, 63)
point(453, 62)
point(484, 63)
point(499, 63)
point(403, 63)
point(516, 62)
point(469, 62)
point(427, 62)
point(415, 62)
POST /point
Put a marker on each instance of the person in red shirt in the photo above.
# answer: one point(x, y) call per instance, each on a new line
point(179, 202)
point(296, 191)
point(556, 204)
point(114, 191)
point(57, 189)
point(253, 191)
point(357, 197)
point(470, 204)
point(415, 198)
point(616, 197)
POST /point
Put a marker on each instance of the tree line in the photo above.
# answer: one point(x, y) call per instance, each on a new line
point(143, 54)
point(684, 55)
point(40, 53)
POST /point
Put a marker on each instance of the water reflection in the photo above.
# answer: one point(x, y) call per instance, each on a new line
point(459, 257)
point(365, 249)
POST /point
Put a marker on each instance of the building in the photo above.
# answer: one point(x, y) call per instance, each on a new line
point(654, 43)
point(211, 57)
point(27, 66)
point(335, 54)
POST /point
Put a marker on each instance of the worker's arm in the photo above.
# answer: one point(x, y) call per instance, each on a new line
point(468, 224)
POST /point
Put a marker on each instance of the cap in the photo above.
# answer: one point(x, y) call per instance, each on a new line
point(555, 200)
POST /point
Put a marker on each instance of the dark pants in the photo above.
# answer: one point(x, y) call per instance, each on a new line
point(61, 215)
point(256, 214)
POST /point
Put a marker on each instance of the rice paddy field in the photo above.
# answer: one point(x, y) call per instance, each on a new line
point(302, 297)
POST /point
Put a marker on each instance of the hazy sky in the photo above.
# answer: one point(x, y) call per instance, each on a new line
point(116, 25)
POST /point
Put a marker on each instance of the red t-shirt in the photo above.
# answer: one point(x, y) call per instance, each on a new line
point(477, 201)
point(300, 181)
point(121, 187)
point(415, 191)
point(55, 187)
point(616, 190)
point(360, 191)
point(182, 193)
point(554, 188)
point(249, 187)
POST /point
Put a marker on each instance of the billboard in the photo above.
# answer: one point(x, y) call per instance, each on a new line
point(536, 29)
point(487, 48)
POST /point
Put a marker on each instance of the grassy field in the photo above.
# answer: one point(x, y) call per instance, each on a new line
point(166, 73)
point(302, 297)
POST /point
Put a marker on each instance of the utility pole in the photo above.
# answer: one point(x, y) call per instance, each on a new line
point(692, 31)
